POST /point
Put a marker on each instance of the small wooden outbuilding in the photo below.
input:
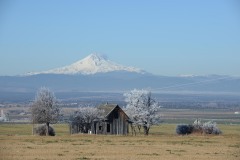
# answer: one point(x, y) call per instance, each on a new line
point(114, 121)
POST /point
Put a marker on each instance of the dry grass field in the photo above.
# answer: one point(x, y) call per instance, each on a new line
point(17, 143)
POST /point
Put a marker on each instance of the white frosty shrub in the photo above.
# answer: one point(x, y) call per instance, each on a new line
point(197, 126)
point(211, 128)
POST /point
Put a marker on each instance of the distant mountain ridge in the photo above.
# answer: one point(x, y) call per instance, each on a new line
point(91, 64)
point(95, 73)
point(119, 81)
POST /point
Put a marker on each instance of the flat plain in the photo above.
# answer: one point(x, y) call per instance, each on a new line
point(16, 142)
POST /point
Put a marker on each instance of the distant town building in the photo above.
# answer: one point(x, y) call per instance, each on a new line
point(3, 117)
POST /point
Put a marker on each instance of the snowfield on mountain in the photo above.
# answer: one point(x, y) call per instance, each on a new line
point(91, 64)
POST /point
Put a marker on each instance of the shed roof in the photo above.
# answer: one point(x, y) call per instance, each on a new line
point(107, 108)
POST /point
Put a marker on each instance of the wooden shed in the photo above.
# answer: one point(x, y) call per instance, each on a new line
point(114, 121)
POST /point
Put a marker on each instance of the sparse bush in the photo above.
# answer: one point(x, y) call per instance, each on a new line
point(41, 130)
point(184, 129)
point(197, 126)
point(211, 128)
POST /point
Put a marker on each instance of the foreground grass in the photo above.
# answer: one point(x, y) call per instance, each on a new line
point(16, 142)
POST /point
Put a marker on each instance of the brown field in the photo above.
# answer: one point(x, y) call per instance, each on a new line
point(16, 142)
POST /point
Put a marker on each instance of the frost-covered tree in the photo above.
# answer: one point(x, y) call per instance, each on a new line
point(83, 118)
point(44, 108)
point(142, 109)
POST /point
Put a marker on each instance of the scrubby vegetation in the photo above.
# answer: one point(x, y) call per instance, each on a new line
point(42, 129)
point(184, 129)
point(209, 127)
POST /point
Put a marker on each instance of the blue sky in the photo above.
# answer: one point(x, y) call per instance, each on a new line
point(164, 37)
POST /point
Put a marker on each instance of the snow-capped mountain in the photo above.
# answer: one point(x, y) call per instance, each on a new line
point(92, 64)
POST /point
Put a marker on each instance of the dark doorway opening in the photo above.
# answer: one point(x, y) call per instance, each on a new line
point(108, 127)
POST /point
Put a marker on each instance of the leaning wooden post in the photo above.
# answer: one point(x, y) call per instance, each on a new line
point(70, 128)
point(32, 127)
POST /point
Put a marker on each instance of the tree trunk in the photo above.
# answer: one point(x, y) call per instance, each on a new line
point(32, 127)
point(139, 129)
point(146, 130)
point(70, 128)
point(133, 127)
point(47, 129)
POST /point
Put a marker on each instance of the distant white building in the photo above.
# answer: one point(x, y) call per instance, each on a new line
point(236, 112)
point(3, 117)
